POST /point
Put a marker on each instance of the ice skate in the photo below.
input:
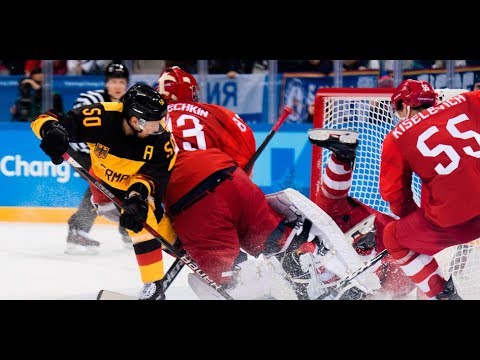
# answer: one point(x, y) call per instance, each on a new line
point(343, 143)
point(449, 292)
point(363, 235)
point(152, 291)
point(80, 243)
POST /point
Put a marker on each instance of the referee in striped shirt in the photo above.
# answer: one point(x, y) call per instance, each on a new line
point(80, 223)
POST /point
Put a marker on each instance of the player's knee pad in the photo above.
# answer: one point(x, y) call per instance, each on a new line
point(107, 210)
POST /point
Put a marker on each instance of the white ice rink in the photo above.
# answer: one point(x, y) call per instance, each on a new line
point(35, 267)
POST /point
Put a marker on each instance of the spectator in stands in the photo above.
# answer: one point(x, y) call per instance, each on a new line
point(148, 66)
point(87, 67)
point(28, 105)
point(352, 65)
point(234, 67)
point(190, 66)
point(420, 64)
point(472, 63)
point(441, 64)
point(14, 66)
point(322, 66)
point(59, 66)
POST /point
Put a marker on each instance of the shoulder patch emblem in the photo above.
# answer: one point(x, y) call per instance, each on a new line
point(101, 151)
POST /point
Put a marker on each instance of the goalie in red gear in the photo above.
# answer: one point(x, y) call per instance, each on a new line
point(347, 212)
point(441, 144)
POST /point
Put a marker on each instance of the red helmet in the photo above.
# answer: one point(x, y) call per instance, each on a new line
point(174, 84)
point(413, 93)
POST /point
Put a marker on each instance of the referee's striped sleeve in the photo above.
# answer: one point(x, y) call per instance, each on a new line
point(88, 98)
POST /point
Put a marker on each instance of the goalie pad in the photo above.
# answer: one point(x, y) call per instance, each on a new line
point(256, 279)
point(340, 258)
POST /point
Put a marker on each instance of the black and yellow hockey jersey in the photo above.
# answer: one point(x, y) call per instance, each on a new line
point(118, 159)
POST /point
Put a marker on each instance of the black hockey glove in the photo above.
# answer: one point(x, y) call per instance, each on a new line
point(55, 141)
point(137, 215)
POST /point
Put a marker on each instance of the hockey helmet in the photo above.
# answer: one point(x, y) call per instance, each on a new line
point(174, 84)
point(116, 70)
point(144, 102)
point(413, 93)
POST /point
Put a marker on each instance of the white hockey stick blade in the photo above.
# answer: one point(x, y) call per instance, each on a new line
point(111, 295)
point(345, 136)
point(202, 290)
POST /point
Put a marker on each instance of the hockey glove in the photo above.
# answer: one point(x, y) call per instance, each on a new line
point(137, 215)
point(55, 141)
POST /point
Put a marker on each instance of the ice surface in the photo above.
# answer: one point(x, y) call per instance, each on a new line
point(35, 267)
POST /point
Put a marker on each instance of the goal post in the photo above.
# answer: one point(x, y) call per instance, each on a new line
point(367, 110)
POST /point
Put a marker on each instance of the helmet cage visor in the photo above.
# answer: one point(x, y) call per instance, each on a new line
point(142, 123)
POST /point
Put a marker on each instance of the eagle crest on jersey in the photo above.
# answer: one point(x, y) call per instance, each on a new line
point(101, 150)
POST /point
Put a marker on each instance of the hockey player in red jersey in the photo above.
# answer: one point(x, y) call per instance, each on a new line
point(441, 144)
point(215, 208)
point(203, 126)
point(347, 212)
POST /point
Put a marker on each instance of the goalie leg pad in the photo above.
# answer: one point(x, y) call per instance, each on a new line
point(342, 258)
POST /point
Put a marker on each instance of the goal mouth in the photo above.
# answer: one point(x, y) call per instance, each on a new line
point(368, 112)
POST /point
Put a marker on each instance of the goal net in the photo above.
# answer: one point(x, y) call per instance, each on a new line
point(368, 112)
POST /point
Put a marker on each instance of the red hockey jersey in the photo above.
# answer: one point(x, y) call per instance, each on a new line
point(442, 146)
point(223, 137)
point(205, 126)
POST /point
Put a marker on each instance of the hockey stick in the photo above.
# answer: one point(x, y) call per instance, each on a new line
point(359, 271)
point(183, 257)
point(177, 265)
point(285, 113)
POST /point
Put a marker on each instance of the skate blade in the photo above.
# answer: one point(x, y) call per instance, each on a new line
point(112, 295)
point(345, 136)
point(81, 250)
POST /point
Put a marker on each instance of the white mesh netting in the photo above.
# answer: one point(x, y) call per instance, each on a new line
point(368, 112)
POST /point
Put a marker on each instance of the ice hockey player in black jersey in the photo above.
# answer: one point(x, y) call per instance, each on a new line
point(132, 153)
